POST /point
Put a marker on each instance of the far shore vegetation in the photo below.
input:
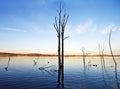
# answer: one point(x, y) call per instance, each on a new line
point(53, 55)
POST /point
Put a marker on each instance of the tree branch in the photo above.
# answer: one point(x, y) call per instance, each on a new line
point(66, 37)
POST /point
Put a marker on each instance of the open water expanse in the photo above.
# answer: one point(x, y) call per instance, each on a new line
point(42, 73)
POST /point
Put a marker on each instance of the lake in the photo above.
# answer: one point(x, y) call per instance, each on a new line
point(42, 73)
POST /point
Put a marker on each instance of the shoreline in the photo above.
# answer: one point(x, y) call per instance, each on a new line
point(52, 55)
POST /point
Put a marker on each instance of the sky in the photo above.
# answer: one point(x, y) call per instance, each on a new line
point(26, 26)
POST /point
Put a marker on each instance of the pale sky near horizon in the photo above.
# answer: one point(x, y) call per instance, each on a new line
point(27, 25)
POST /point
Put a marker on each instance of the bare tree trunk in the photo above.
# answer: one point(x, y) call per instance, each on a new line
point(101, 53)
point(103, 59)
point(100, 57)
point(59, 63)
point(62, 52)
point(59, 25)
point(84, 55)
point(116, 74)
point(60, 10)
point(63, 24)
point(111, 48)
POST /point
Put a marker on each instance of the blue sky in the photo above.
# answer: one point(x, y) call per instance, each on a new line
point(27, 25)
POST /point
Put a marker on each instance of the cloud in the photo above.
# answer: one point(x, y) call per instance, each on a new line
point(112, 27)
point(11, 29)
point(87, 26)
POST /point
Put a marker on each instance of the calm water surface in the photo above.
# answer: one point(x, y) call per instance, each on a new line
point(42, 73)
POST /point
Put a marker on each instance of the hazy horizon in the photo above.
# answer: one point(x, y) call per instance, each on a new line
point(26, 26)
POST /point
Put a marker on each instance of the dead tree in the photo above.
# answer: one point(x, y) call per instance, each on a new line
point(84, 56)
point(60, 25)
point(63, 25)
point(57, 26)
point(111, 48)
point(101, 54)
point(116, 73)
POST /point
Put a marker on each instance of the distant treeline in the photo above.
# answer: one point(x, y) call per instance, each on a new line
point(26, 54)
point(54, 55)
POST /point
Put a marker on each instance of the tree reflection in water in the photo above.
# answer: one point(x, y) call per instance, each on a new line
point(6, 68)
point(61, 78)
point(116, 77)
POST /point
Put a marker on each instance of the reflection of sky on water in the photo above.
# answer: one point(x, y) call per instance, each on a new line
point(21, 73)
